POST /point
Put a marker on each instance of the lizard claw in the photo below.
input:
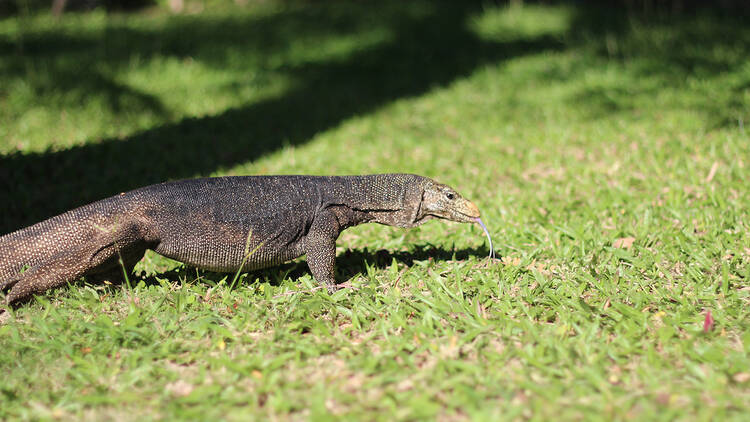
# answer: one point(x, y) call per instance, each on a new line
point(333, 288)
point(4, 316)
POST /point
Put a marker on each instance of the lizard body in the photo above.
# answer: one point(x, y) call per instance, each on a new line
point(221, 224)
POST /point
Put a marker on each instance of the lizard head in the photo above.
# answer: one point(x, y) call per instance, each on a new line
point(442, 201)
point(425, 199)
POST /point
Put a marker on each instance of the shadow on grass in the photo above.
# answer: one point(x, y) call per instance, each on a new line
point(348, 265)
point(429, 45)
point(354, 262)
point(701, 44)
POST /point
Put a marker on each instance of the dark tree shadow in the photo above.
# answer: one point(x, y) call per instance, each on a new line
point(687, 40)
point(429, 45)
point(426, 50)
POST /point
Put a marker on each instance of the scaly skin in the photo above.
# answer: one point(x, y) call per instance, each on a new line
point(220, 224)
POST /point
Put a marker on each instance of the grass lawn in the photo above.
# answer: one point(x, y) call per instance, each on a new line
point(607, 151)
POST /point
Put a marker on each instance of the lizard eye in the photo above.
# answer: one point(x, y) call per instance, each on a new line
point(450, 196)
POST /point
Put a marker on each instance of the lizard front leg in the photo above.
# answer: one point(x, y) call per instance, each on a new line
point(320, 248)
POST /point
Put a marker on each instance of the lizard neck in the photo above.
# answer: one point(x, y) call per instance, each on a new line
point(390, 199)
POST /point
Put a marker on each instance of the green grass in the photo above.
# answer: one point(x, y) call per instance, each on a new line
point(572, 128)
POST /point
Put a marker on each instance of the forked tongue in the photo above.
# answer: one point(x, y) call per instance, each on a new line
point(487, 232)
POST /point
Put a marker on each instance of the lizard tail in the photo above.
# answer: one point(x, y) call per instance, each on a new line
point(28, 247)
point(33, 245)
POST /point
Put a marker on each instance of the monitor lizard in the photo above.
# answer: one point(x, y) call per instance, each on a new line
point(221, 224)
